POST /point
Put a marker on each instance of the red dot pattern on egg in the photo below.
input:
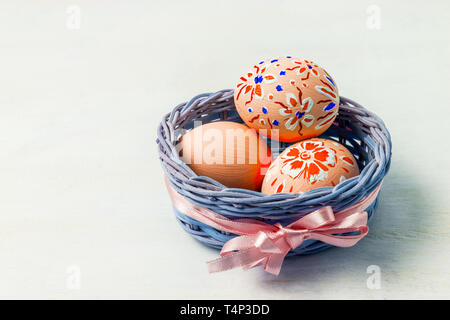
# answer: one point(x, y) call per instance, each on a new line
point(310, 164)
point(294, 96)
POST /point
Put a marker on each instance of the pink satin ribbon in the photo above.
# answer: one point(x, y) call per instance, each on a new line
point(264, 244)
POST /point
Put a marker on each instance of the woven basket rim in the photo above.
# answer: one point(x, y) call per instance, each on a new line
point(195, 187)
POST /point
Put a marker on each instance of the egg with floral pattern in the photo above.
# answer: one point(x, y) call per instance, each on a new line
point(287, 99)
point(310, 164)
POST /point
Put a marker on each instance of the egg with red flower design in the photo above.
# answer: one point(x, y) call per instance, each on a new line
point(287, 99)
point(310, 164)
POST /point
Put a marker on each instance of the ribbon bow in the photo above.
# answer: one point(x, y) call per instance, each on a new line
point(260, 243)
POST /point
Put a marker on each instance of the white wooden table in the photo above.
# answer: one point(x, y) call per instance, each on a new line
point(83, 209)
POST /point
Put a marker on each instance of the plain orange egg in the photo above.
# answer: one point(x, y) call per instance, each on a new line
point(229, 152)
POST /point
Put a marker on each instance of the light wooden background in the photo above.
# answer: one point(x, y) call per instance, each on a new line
point(83, 210)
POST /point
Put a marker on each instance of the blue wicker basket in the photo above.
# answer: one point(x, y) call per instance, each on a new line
point(361, 131)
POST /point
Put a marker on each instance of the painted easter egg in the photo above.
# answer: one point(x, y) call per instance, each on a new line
point(287, 99)
point(310, 164)
point(229, 152)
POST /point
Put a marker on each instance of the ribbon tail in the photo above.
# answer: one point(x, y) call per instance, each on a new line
point(244, 258)
point(274, 263)
point(260, 262)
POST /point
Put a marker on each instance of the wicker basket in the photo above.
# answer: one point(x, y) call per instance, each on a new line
point(361, 131)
